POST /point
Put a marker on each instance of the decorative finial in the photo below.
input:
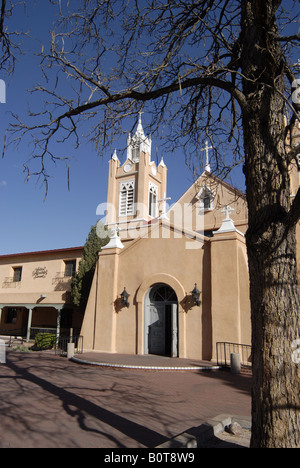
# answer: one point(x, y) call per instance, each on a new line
point(114, 156)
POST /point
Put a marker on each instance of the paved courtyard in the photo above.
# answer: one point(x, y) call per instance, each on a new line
point(48, 401)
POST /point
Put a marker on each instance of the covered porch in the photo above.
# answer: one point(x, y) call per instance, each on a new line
point(29, 319)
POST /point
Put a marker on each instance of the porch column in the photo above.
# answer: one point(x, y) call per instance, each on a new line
point(58, 321)
point(29, 325)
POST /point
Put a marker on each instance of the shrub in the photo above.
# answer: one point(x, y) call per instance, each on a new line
point(44, 341)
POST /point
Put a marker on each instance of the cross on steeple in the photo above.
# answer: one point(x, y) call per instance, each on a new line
point(164, 200)
point(227, 210)
point(206, 149)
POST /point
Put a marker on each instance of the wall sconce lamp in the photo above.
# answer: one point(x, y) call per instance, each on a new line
point(124, 298)
point(195, 295)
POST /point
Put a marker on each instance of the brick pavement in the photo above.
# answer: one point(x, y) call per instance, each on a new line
point(48, 401)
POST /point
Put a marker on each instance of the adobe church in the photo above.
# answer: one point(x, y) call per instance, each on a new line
point(171, 281)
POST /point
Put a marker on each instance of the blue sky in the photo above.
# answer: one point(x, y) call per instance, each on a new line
point(27, 222)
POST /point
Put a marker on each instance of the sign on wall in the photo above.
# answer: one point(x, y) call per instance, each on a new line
point(40, 273)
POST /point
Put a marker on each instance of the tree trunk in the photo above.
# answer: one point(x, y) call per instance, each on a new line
point(271, 240)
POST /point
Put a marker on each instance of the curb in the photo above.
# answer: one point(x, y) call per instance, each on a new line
point(128, 366)
point(197, 436)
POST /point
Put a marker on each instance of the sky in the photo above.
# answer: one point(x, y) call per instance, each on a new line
point(27, 221)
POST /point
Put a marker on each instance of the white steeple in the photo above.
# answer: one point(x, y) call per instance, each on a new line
point(140, 131)
point(138, 143)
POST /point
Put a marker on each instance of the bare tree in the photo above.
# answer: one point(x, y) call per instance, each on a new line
point(9, 39)
point(220, 70)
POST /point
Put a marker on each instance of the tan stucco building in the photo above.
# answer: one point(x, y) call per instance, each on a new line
point(158, 253)
point(35, 292)
point(183, 266)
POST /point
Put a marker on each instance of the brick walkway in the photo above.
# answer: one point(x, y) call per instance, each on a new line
point(48, 401)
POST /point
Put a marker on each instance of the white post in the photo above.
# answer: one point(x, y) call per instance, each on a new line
point(174, 331)
point(71, 350)
point(2, 352)
point(58, 323)
point(29, 325)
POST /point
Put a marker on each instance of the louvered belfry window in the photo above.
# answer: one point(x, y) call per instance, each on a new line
point(152, 200)
point(126, 198)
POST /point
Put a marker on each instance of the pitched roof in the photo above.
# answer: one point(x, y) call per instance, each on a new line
point(41, 252)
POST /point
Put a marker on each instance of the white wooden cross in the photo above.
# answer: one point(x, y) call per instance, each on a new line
point(227, 210)
point(206, 149)
point(164, 200)
point(140, 117)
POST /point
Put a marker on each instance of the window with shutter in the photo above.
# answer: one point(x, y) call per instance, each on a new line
point(17, 274)
point(70, 267)
point(126, 206)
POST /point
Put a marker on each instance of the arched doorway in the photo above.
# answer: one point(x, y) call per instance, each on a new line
point(161, 321)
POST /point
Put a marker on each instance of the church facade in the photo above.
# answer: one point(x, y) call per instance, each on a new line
point(173, 280)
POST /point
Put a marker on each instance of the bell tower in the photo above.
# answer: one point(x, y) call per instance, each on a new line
point(136, 186)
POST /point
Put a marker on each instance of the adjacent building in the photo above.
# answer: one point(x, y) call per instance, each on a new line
point(35, 292)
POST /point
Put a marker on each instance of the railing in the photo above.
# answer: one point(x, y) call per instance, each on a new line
point(61, 347)
point(46, 338)
point(9, 282)
point(14, 334)
point(225, 349)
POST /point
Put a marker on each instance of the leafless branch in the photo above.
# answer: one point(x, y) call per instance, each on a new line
point(179, 60)
point(10, 40)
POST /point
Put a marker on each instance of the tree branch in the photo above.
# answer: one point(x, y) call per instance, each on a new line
point(155, 94)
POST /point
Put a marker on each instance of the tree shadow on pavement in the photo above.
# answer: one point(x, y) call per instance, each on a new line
point(79, 407)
